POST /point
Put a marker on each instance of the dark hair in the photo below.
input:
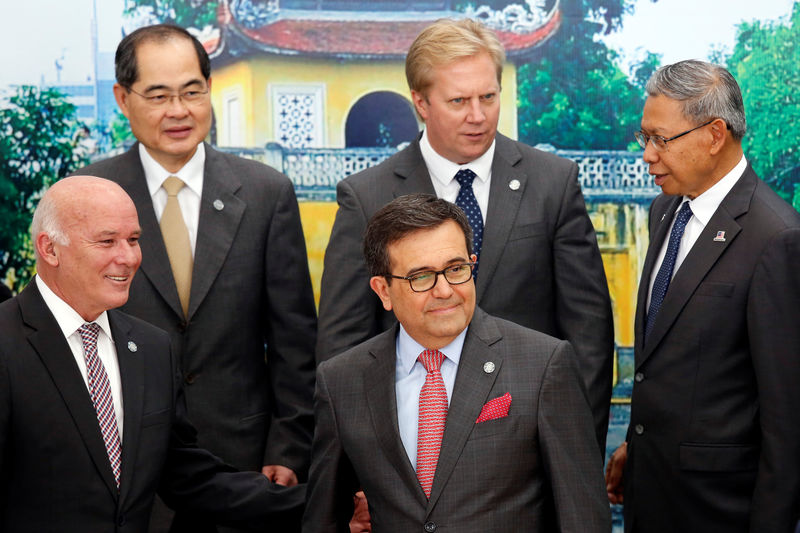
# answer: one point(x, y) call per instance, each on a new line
point(127, 70)
point(404, 215)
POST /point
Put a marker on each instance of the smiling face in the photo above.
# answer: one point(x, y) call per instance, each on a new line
point(170, 133)
point(432, 318)
point(686, 166)
point(93, 270)
point(461, 108)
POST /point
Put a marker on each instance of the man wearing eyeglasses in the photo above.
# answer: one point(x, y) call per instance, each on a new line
point(224, 267)
point(714, 436)
point(451, 420)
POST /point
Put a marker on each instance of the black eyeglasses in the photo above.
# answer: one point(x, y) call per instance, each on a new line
point(659, 142)
point(162, 98)
point(426, 280)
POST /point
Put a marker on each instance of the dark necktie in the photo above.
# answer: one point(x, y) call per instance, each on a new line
point(100, 391)
point(664, 275)
point(467, 202)
point(432, 417)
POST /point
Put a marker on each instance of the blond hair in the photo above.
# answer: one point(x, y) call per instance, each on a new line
point(446, 41)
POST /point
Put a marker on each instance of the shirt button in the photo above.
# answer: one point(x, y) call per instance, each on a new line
point(639, 429)
point(639, 377)
point(430, 527)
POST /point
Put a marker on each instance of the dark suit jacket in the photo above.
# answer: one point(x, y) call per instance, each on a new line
point(539, 267)
point(5, 293)
point(714, 440)
point(499, 475)
point(250, 286)
point(55, 474)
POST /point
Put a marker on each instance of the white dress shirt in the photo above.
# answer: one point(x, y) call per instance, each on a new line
point(443, 173)
point(69, 321)
point(703, 208)
point(409, 379)
point(188, 197)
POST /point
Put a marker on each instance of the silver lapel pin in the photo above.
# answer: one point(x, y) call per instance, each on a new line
point(488, 367)
point(513, 185)
point(218, 205)
point(132, 346)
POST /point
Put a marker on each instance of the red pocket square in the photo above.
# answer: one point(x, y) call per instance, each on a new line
point(497, 408)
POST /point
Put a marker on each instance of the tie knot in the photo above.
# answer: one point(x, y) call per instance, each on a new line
point(464, 177)
point(685, 212)
point(89, 332)
point(173, 185)
point(431, 359)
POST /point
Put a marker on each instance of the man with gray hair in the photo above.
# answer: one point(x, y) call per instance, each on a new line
point(714, 436)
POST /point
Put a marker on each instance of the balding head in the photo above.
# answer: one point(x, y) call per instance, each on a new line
point(85, 232)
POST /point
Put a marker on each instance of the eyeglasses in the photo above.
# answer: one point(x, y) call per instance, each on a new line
point(659, 142)
point(159, 99)
point(426, 280)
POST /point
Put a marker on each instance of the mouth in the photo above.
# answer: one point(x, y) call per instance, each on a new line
point(178, 132)
point(659, 178)
point(443, 310)
point(119, 279)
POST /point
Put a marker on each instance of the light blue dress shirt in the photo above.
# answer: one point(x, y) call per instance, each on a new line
point(409, 378)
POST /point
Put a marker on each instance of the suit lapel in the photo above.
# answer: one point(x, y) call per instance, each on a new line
point(502, 211)
point(470, 392)
point(221, 212)
point(131, 371)
point(702, 257)
point(379, 384)
point(155, 263)
point(412, 173)
point(54, 351)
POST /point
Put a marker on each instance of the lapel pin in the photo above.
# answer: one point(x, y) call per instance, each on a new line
point(132, 346)
point(488, 367)
point(663, 217)
point(218, 205)
point(720, 237)
point(513, 185)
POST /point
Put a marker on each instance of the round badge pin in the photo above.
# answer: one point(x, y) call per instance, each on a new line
point(488, 367)
point(513, 185)
point(218, 205)
point(132, 346)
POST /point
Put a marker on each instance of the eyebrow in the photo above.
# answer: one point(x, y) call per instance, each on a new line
point(452, 261)
point(162, 87)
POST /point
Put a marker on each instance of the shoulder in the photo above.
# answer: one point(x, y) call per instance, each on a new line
point(772, 209)
point(530, 156)
point(353, 361)
point(249, 171)
point(108, 167)
point(407, 157)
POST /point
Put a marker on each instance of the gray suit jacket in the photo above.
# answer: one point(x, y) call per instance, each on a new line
point(499, 475)
point(714, 440)
point(54, 470)
point(539, 267)
point(250, 286)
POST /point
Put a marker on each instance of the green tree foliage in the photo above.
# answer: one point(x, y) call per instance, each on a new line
point(186, 13)
point(765, 62)
point(572, 94)
point(39, 133)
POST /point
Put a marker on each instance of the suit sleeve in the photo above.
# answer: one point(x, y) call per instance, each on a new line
point(773, 316)
point(290, 335)
point(332, 481)
point(347, 306)
point(569, 453)
point(583, 305)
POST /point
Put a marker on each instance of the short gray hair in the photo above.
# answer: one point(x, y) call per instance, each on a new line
point(707, 91)
point(46, 219)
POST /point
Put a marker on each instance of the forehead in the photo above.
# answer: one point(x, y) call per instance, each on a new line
point(662, 114)
point(173, 59)
point(430, 247)
point(472, 72)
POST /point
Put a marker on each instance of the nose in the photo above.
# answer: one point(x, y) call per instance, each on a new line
point(442, 288)
point(650, 153)
point(476, 114)
point(176, 106)
point(130, 255)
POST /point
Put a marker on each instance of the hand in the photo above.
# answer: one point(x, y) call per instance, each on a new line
point(280, 474)
point(616, 463)
point(360, 522)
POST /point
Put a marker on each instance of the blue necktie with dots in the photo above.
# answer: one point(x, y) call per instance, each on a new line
point(469, 204)
point(664, 275)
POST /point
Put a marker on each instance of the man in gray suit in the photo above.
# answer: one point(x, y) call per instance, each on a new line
point(539, 264)
point(714, 437)
point(224, 269)
point(452, 419)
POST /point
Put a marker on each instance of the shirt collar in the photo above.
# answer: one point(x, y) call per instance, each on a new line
point(191, 173)
point(408, 349)
point(67, 318)
point(444, 171)
point(705, 205)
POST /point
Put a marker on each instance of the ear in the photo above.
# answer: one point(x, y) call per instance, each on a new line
point(121, 95)
point(719, 135)
point(420, 104)
point(380, 285)
point(208, 82)
point(473, 258)
point(46, 248)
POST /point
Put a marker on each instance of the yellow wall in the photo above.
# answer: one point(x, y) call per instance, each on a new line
point(345, 82)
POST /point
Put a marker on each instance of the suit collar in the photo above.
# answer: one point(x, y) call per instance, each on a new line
point(699, 261)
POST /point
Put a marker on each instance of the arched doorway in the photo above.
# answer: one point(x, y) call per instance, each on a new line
point(382, 118)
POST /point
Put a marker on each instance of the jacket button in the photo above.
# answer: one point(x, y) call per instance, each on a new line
point(121, 520)
point(430, 527)
point(182, 327)
point(639, 429)
point(639, 377)
point(190, 378)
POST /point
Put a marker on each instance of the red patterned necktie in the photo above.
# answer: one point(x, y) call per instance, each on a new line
point(100, 390)
point(432, 417)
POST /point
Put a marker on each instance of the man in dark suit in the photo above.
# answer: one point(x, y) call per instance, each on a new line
point(452, 419)
point(714, 437)
point(92, 418)
point(225, 268)
point(538, 260)
point(5, 293)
